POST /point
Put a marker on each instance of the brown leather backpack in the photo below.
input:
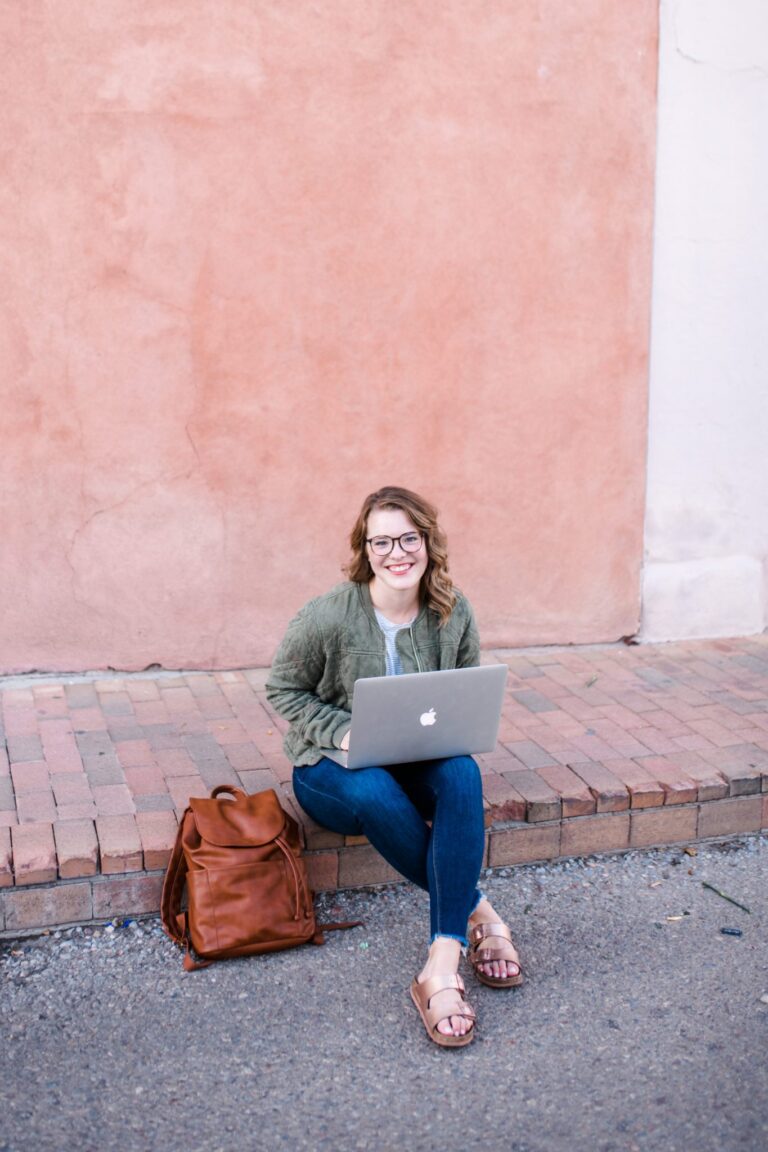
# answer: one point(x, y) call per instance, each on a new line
point(246, 880)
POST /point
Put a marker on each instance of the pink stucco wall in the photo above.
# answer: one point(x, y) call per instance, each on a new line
point(262, 257)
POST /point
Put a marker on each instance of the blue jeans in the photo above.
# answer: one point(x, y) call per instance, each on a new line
point(390, 806)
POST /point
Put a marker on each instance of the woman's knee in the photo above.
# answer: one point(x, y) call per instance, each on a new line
point(460, 775)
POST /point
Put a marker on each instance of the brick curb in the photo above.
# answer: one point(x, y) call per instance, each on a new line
point(100, 898)
point(602, 748)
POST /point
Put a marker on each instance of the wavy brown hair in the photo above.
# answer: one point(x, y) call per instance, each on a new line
point(436, 585)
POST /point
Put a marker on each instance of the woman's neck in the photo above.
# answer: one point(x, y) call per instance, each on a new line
point(398, 607)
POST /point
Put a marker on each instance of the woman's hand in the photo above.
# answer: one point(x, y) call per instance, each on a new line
point(345, 742)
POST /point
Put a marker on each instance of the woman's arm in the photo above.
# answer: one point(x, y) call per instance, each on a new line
point(468, 655)
point(291, 688)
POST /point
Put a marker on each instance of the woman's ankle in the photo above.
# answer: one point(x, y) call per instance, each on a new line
point(443, 957)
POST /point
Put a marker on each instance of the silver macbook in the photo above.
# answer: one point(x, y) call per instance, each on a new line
point(423, 716)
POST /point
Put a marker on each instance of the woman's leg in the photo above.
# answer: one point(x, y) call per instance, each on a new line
point(373, 802)
point(449, 793)
point(369, 802)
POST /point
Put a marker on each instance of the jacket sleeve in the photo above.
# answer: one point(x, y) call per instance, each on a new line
point(468, 655)
point(292, 685)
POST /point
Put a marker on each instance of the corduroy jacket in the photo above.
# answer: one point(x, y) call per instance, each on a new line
point(334, 640)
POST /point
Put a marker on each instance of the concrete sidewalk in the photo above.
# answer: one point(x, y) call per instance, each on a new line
point(601, 748)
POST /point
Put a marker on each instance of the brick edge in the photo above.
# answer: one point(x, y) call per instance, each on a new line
point(29, 909)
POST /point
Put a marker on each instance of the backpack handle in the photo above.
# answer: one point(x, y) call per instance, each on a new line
point(230, 788)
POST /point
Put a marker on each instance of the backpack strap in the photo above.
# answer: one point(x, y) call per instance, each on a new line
point(339, 926)
point(174, 922)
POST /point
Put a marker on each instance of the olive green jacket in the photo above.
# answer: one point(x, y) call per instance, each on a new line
point(334, 640)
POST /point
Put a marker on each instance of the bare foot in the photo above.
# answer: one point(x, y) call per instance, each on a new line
point(443, 960)
point(509, 963)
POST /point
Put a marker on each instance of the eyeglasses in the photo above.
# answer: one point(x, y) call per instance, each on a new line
point(383, 545)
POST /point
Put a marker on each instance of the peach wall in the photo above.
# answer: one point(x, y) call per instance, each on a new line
point(262, 257)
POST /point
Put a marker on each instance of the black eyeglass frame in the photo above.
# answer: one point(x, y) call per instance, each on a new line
point(397, 540)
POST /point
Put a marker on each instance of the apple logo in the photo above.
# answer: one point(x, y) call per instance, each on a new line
point(428, 718)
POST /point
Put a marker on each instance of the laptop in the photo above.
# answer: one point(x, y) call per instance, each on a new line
point(423, 716)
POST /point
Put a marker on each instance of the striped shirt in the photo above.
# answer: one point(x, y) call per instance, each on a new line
point(390, 630)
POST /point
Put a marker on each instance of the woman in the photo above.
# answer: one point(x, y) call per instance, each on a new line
point(399, 612)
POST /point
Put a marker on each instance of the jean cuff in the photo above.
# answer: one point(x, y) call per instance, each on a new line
point(480, 896)
point(449, 936)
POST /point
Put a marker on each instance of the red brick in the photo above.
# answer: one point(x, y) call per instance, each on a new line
point(693, 743)
point(730, 817)
point(663, 826)
point(359, 867)
point(575, 796)
point(6, 868)
point(244, 757)
point(524, 844)
point(608, 791)
point(157, 831)
point(587, 834)
point(153, 712)
point(216, 708)
point(504, 801)
point(543, 803)
point(678, 786)
point(113, 800)
point(36, 808)
point(109, 686)
point(200, 684)
point(63, 758)
point(89, 720)
point(743, 778)
point(145, 781)
point(30, 776)
point(84, 811)
point(71, 788)
point(228, 731)
point(258, 781)
point(178, 700)
point(644, 791)
point(764, 819)
point(710, 784)
point(142, 690)
point(134, 753)
point(5, 765)
point(322, 870)
point(17, 698)
point(174, 762)
point(21, 722)
point(34, 853)
point(126, 896)
point(715, 733)
point(76, 847)
point(119, 843)
point(530, 754)
point(182, 788)
point(47, 907)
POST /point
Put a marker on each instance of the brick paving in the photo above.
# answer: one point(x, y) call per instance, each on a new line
point(601, 748)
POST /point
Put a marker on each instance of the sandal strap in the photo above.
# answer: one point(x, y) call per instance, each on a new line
point(488, 955)
point(435, 984)
point(480, 931)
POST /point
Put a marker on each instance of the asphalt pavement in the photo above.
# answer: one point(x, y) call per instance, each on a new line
point(641, 1027)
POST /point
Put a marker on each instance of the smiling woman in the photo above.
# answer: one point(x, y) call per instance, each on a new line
point(399, 612)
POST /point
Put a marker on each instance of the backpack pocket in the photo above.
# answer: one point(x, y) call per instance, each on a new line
point(242, 907)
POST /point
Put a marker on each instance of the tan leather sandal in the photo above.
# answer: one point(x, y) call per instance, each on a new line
point(422, 995)
point(478, 955)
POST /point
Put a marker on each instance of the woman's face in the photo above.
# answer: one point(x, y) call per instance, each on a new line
point(400, 570)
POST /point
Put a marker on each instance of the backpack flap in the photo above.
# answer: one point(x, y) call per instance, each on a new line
point(245, 822)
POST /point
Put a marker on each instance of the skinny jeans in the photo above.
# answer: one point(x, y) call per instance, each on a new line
point(391, 806)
